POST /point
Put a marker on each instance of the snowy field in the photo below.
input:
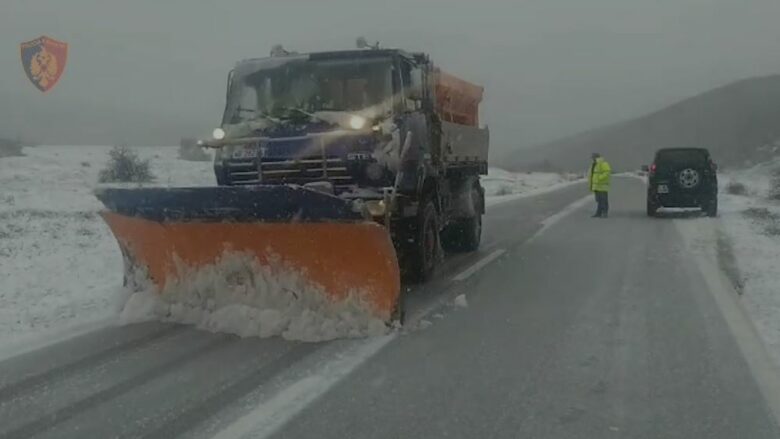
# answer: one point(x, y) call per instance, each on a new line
point(60, 268)
point(751, 221)
point(502, 186)
point(59, 265)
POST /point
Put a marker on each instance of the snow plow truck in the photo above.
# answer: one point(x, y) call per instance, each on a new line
point(353, 169)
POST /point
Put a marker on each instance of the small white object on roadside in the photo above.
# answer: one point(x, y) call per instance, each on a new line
point(461, 301)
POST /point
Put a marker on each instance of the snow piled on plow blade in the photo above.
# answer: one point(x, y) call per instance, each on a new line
point(239, 295)
point(255, 261)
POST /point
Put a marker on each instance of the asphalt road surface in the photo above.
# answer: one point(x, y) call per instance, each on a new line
point(574, 328)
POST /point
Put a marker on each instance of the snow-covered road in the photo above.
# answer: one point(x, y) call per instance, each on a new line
point(560, 326)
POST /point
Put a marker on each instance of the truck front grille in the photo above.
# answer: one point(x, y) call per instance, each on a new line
point(299, 171)
point(242, 171)
point(306, 170)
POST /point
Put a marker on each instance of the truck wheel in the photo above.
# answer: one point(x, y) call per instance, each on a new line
point(424, 252)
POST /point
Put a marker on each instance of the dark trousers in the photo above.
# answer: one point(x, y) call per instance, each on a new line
point(602, 203)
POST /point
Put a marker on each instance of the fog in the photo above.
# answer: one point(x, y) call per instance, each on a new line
point(149, 72)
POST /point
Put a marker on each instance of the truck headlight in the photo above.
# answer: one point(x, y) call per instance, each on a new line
point(218, 134)
point(357, 122)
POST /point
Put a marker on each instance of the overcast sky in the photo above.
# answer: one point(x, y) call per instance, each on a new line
point(550, 67)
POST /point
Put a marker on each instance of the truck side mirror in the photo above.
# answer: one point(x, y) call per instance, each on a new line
point(645, 168)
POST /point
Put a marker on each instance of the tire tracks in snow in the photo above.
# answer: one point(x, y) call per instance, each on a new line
point(192, 417)
point(12, 390)
point(49, 420)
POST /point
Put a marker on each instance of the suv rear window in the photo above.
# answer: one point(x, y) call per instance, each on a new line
point(681, 156)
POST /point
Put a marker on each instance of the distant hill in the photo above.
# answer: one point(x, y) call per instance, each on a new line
point(10, 148)
point(739, 123)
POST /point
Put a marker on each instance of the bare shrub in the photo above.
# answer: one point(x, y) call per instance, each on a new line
point(10, 148)
point(774, 189)
point(124, 166)
point(736, 188)
point(504, 190)
point(773, 229)
point(760, 214)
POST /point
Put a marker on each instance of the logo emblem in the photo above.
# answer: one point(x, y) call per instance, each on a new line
point(44, 60)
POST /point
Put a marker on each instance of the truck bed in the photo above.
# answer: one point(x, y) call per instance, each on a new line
point(457, 100)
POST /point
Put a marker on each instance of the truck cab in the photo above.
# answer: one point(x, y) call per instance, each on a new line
point(326, 117)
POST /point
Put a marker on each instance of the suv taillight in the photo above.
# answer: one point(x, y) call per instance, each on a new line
point(652, 169)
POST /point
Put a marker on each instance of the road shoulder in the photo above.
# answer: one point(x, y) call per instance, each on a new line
point(701, 240)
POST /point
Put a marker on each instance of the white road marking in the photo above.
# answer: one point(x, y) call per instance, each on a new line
point(761, 366)
point(467, 273)
point(270, 416)
point(557, 217)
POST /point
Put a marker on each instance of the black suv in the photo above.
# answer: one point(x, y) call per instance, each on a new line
point(682, 177)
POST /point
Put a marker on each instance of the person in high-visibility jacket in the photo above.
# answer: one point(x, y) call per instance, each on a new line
point(599, 179)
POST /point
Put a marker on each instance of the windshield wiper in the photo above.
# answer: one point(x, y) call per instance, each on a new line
point(289, 110)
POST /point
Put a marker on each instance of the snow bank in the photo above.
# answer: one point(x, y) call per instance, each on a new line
point(752, 224)
point(239, 295)
point(502, 186)
point(60, 268)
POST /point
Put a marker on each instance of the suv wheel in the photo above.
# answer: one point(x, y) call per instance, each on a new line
point(711, 207)
point(652, 205)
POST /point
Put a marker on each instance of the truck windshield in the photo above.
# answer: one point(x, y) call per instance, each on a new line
point(311, 86)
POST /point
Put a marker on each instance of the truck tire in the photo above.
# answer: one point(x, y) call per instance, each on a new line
point(424, 251)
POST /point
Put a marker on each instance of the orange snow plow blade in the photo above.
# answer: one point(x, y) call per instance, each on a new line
point(341, 257)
